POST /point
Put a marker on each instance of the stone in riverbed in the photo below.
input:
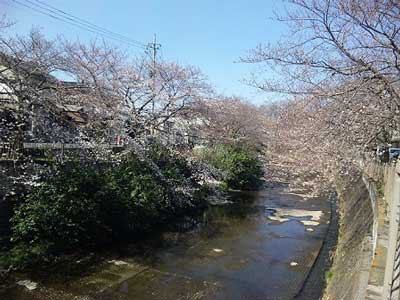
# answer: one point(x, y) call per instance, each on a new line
point(218, 250)
point(118, 262)
point(30, 285)
point(278, 219)
point(283, 215)
point(310, 223)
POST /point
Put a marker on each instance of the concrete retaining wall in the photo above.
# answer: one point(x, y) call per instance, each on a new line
point(366, 205)
point(353, 257)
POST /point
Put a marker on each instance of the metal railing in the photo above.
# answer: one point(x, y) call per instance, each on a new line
point(392, 271)
point(11, 151)
point(395, 282)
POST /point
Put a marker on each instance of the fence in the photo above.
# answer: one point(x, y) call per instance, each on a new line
point(392, 270)
point(10, 151)
point(395, 280)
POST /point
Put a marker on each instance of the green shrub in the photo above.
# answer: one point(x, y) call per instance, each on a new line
point(84, 206)
point(174, 167)
point(137, 197)
point(23, 255)
point(62, 213)
point(241, 167)
point(186, 192)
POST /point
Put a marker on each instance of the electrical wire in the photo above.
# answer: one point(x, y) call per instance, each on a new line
point(73, 18)
point(80, 24)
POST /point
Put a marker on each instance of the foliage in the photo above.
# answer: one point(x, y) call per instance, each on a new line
point(137, 197)
point(61, 214)
point(174, 167)
point(241, 167)
point(85, 206)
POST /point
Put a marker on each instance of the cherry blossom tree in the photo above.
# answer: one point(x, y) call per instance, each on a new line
point(230, 120)
point(338, 67)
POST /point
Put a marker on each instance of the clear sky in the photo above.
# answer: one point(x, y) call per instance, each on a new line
point(210, 34)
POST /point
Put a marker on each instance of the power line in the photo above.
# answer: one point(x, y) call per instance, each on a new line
point(81, 25)
point(73, 18)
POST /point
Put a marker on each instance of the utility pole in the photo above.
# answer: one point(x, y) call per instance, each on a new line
point(153, 48)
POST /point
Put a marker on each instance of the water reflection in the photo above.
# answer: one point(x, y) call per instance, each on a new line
point(235, 252)
point(230, 251)
point(241, 206)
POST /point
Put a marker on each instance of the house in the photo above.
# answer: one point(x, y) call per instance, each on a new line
point(35, 106)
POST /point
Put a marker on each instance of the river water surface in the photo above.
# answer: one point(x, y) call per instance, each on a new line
point(238, 251)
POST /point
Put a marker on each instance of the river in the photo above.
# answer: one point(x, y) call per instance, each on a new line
point(258, 246)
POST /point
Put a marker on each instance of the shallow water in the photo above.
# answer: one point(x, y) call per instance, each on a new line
point(232, 251)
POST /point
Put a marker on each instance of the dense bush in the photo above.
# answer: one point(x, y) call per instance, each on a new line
point(137, 197)
point(84, 206)
point(62, 213)
point(241, 167)
point(174, 167)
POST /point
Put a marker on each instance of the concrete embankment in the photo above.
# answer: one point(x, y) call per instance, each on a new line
point(367, 259)
point(348, 277)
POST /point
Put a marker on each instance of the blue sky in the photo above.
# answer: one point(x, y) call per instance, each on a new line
point(210, 34)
